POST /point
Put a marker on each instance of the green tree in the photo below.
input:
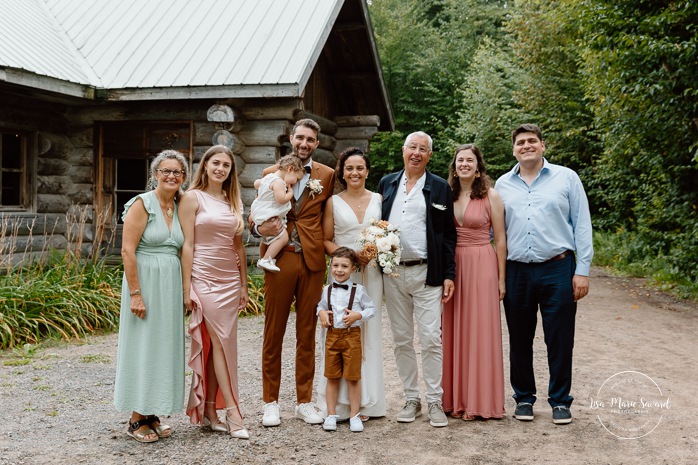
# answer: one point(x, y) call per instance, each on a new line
point(488, 111)
point(641, 63)
point(547, 40)
point(425, 48)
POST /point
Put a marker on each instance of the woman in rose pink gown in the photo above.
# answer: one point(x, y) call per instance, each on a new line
point(473, 375)
point(214, 276)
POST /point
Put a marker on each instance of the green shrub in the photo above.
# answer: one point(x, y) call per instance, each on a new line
point(62, 297)
point(624, 253)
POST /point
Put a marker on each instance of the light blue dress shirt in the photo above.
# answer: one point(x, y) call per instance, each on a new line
point(547, 217)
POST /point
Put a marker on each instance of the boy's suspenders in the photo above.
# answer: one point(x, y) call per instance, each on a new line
point(329, 305)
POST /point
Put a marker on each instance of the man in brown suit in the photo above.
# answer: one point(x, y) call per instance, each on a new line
point(302, 274)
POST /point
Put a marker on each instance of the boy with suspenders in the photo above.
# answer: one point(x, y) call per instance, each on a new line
point(342, 309)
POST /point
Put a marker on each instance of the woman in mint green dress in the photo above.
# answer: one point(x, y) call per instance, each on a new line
point(150, 358)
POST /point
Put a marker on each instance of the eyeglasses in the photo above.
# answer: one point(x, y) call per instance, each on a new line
point(420, 148)
point(165, 172)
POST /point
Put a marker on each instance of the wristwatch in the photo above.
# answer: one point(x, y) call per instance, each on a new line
point(136, 292)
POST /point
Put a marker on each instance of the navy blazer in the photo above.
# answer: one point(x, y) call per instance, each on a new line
point(441, 228)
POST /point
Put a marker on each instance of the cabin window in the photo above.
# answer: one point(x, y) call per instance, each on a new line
point(126, 150)
point(13, 171)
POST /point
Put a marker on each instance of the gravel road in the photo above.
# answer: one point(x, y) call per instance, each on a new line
point(57, 402)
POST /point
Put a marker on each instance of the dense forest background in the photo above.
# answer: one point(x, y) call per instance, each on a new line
point(613, 84)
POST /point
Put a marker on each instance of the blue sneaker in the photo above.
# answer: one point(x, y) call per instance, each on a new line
point(562, 415)
point(524, 411)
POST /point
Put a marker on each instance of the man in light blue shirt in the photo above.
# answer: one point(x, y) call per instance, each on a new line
point(547, 223)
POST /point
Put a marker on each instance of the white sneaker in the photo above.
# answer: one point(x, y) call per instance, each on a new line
point(268, 264)
point(272, 415)
point(355, 424)
point(308, 414)
point(330, 423)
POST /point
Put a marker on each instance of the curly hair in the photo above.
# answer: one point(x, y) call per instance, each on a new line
point(231, 186)
point(290, 161)
point(341, 161)
point(481, 184)
point(155, 166)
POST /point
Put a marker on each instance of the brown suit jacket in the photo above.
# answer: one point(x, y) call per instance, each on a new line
point(306, 216)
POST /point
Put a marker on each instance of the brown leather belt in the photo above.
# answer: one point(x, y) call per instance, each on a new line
point(290, 248)
point(558, 257)
point(416, 262)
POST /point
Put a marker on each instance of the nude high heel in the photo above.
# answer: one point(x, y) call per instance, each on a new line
point(217, 426)
point(240, 432)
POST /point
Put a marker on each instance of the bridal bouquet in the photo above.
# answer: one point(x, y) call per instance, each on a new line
point(380, 242)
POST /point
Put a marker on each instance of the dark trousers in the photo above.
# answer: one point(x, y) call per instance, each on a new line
point(547, 286)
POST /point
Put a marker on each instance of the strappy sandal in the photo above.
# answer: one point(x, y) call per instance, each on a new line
point(364, 418)
point(163, 431)
point(216, 426)
point(141, 437)
point(240, 432)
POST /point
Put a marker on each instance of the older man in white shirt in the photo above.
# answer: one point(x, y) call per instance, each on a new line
point(420, 204)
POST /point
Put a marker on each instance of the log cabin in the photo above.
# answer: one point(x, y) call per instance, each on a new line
point(91, 90)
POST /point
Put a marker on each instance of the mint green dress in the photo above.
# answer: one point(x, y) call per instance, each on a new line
point(150, 357)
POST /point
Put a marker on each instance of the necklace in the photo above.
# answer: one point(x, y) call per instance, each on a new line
point(356, 202)
point(169, 212)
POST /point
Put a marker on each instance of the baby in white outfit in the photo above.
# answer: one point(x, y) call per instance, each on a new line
point(274, 194)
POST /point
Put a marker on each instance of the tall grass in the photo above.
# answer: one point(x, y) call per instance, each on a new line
point(54, 293)
point(255, 288)
point(70, 293)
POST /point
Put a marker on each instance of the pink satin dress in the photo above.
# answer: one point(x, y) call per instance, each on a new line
point(215, 288)
point(473, 374)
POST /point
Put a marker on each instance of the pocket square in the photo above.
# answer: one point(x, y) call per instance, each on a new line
point(438, 206)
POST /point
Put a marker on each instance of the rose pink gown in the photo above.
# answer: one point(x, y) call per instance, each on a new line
point(215, 287)
point(473, 375)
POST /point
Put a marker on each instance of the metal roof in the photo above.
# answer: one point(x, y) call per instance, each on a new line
point(265, 47)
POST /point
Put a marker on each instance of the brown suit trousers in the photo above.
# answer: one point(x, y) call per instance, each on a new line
point(302, 276)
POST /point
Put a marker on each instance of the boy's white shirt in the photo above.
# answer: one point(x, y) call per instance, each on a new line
point(363, 304)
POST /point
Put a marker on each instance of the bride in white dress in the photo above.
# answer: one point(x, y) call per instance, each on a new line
point(346, 214)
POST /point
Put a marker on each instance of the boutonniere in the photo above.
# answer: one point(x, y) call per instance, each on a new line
point(438, 206)
point(315, 187)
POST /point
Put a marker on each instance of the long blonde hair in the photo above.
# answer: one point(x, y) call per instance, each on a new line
point(231, 186)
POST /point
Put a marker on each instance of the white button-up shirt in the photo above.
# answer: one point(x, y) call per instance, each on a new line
point(409, 212)
point(340, 301)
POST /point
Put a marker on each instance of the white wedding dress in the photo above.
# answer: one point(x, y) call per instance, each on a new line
point(346, 230)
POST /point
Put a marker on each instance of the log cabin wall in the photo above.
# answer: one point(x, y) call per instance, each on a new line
point(57, 182)
point(65, 175)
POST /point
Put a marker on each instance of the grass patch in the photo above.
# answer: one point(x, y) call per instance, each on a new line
point(16, 362)
point(620, 253)
point(95, 358)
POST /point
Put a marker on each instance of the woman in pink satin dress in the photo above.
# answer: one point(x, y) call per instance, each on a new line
point(473, 374)
point(214, 278)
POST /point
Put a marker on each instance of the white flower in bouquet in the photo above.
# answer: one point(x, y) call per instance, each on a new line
point(380, 242)
point(384, 244)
